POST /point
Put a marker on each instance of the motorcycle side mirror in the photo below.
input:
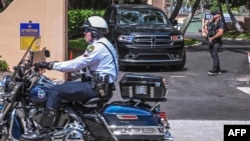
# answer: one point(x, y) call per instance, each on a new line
point(47, 53)
point(40, 56)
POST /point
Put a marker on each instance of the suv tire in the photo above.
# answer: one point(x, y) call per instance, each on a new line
point(180, 66)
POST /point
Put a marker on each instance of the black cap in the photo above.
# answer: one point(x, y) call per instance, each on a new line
point(215, 12)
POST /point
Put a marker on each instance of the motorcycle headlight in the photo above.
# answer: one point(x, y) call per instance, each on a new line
point(1, 87)
point(5, 81)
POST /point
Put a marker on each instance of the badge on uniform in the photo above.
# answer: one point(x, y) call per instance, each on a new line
point(90, 48)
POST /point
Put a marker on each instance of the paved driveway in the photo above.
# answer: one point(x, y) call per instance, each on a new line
point(199, 105)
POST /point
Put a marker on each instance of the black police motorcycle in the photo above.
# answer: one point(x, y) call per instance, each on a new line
point(137, 118)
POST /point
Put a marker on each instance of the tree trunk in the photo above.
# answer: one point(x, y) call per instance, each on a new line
point(5, 3)
point(222, 16)
point(190, 16)
point(248, 7)
point(235, 22)
point(121, 2)
point(176, 9)
point(170, 10)
point(92, 4)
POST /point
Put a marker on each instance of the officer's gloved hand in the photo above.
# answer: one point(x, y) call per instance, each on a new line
point(43, 65)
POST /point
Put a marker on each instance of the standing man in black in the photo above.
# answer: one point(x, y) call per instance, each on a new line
point(215, 31)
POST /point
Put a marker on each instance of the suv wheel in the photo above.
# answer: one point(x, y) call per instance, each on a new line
point(180, 66)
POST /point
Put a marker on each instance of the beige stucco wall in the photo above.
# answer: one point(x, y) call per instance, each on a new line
point(158, 3)
point(50, 14)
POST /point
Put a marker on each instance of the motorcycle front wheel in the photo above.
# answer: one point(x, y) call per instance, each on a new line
point(4, 132)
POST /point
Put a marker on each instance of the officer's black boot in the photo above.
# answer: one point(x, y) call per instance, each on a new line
point(47, 121)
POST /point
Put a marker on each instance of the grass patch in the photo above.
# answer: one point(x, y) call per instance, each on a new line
point(190, 41)
point(234, 34)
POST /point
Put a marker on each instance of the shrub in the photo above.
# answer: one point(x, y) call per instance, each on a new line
point(3, 65)
point(77, 17)
point(78, 43)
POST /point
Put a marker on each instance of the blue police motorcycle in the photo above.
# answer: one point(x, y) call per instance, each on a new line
point(136, 118)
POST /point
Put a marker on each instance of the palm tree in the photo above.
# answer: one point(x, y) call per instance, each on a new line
point(190, 16)
point(176, 9)
point(4, 4)
point(235, 22)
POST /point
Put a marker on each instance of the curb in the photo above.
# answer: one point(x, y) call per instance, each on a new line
point(228, 39)
point(236, 39)
point(194, 45)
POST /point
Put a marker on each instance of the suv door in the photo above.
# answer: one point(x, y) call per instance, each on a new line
point(111, 21)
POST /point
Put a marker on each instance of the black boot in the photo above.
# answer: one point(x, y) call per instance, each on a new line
point(47, 121)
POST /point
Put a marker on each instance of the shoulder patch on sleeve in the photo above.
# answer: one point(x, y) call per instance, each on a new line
point(90, 48)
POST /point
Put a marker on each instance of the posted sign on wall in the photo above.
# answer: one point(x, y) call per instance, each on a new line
point(30, 36)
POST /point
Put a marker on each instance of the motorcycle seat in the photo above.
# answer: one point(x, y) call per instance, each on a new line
point(92, 101)
point(98, 100)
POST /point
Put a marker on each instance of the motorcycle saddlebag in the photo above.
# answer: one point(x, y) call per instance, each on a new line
point(143, 86)
point(120, 114)
point(96, 125)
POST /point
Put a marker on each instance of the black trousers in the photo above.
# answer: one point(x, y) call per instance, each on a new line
point(214, 51)
point(70, 91)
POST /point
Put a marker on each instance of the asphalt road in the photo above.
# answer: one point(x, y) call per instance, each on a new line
point(199, 105)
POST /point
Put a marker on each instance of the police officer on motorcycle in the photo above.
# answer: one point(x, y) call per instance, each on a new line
point(100, 59)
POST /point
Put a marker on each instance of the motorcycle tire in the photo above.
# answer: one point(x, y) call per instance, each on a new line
point(4, 132)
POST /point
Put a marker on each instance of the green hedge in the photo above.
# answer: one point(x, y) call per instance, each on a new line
point(3, 65)
point(78, 43)
point(77, 17)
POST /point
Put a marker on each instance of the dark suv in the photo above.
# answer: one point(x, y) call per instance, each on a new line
point(144, 36)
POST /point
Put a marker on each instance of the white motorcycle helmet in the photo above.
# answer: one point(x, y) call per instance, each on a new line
point(96, 24)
